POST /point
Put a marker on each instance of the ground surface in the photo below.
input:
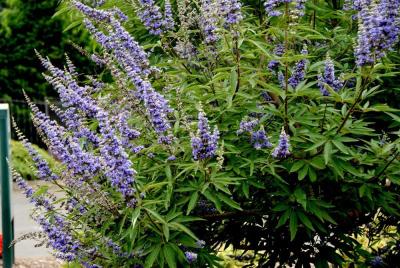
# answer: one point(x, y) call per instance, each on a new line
point(36, 262)
point(26, 254)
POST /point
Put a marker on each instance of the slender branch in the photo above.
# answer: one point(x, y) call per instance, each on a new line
point(286, 66)
point(232, 214)
point(323, 119)
point(237, 54)
point(349, 112)
point(153, 222)
point(314, 16)
point(386, 166)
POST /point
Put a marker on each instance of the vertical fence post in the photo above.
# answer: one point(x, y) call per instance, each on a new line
point(5, 191)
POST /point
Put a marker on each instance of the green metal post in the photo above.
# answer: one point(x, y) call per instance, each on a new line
point(6, 217)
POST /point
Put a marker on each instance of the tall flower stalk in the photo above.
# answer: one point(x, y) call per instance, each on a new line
point(205, 142)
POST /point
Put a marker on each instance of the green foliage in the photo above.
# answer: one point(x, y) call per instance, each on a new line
point(22, 163)
point(303, 209)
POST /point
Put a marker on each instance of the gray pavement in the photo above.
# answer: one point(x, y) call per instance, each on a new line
point(24, 224)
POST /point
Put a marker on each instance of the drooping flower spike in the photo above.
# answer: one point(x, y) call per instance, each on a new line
point(44, 171)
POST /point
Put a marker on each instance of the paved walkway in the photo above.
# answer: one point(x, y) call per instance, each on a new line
point(24, 224)
point(26, 254)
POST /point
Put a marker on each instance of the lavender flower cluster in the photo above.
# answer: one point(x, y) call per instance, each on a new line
point(271, 7)
point(131, 58)
point(258, 138)
point(44, 171)
point(65, 246)
point(152, 18)
point(279, 50)
point(204, 143)
point(230, 10)
point(208, 23)
point(299, 71)
point(67, 148)
point(328, 78)
point(378, 29)
point(282, 149)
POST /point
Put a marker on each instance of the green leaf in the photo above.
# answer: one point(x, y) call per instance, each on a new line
point(305, 220)
point(301, 197)
point(318, 162)
point(246, 189)
point(61, 11)
point(135, 217)
point(312, 174)
point(296, 166)
point(283, 219)
point(281, 207)
point(42, 189)
point(327, 152)
point(184, 229)
point(169, 255)
point(211, 197)
point(316, 145)
point(152, 256)
point(302, 173)
point(166, 231)
point(168, 172)
point(72, 25)
point(229, 201)
point(156, 215)
point(340, 146)
point(192, 202)
point(364, 190)
point(293, 226)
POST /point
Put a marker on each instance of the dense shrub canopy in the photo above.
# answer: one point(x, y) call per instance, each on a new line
point(264, 126)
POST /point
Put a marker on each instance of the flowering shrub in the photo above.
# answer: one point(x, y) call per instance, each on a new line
point(260, 127)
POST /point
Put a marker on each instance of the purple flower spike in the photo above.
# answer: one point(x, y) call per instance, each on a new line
point(205, 143)
point(151, 16)
point(272, 5)
point(168, 17)
point(260, 140)
point(299, 71)
point(279, 50)
point(378, 29)
point(190, 256)
point(328, 78)
point(209, 23)
point(230, 11)
point(247, 125)
point(282, 149)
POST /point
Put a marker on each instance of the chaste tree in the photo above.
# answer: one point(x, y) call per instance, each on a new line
point(261, 125)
